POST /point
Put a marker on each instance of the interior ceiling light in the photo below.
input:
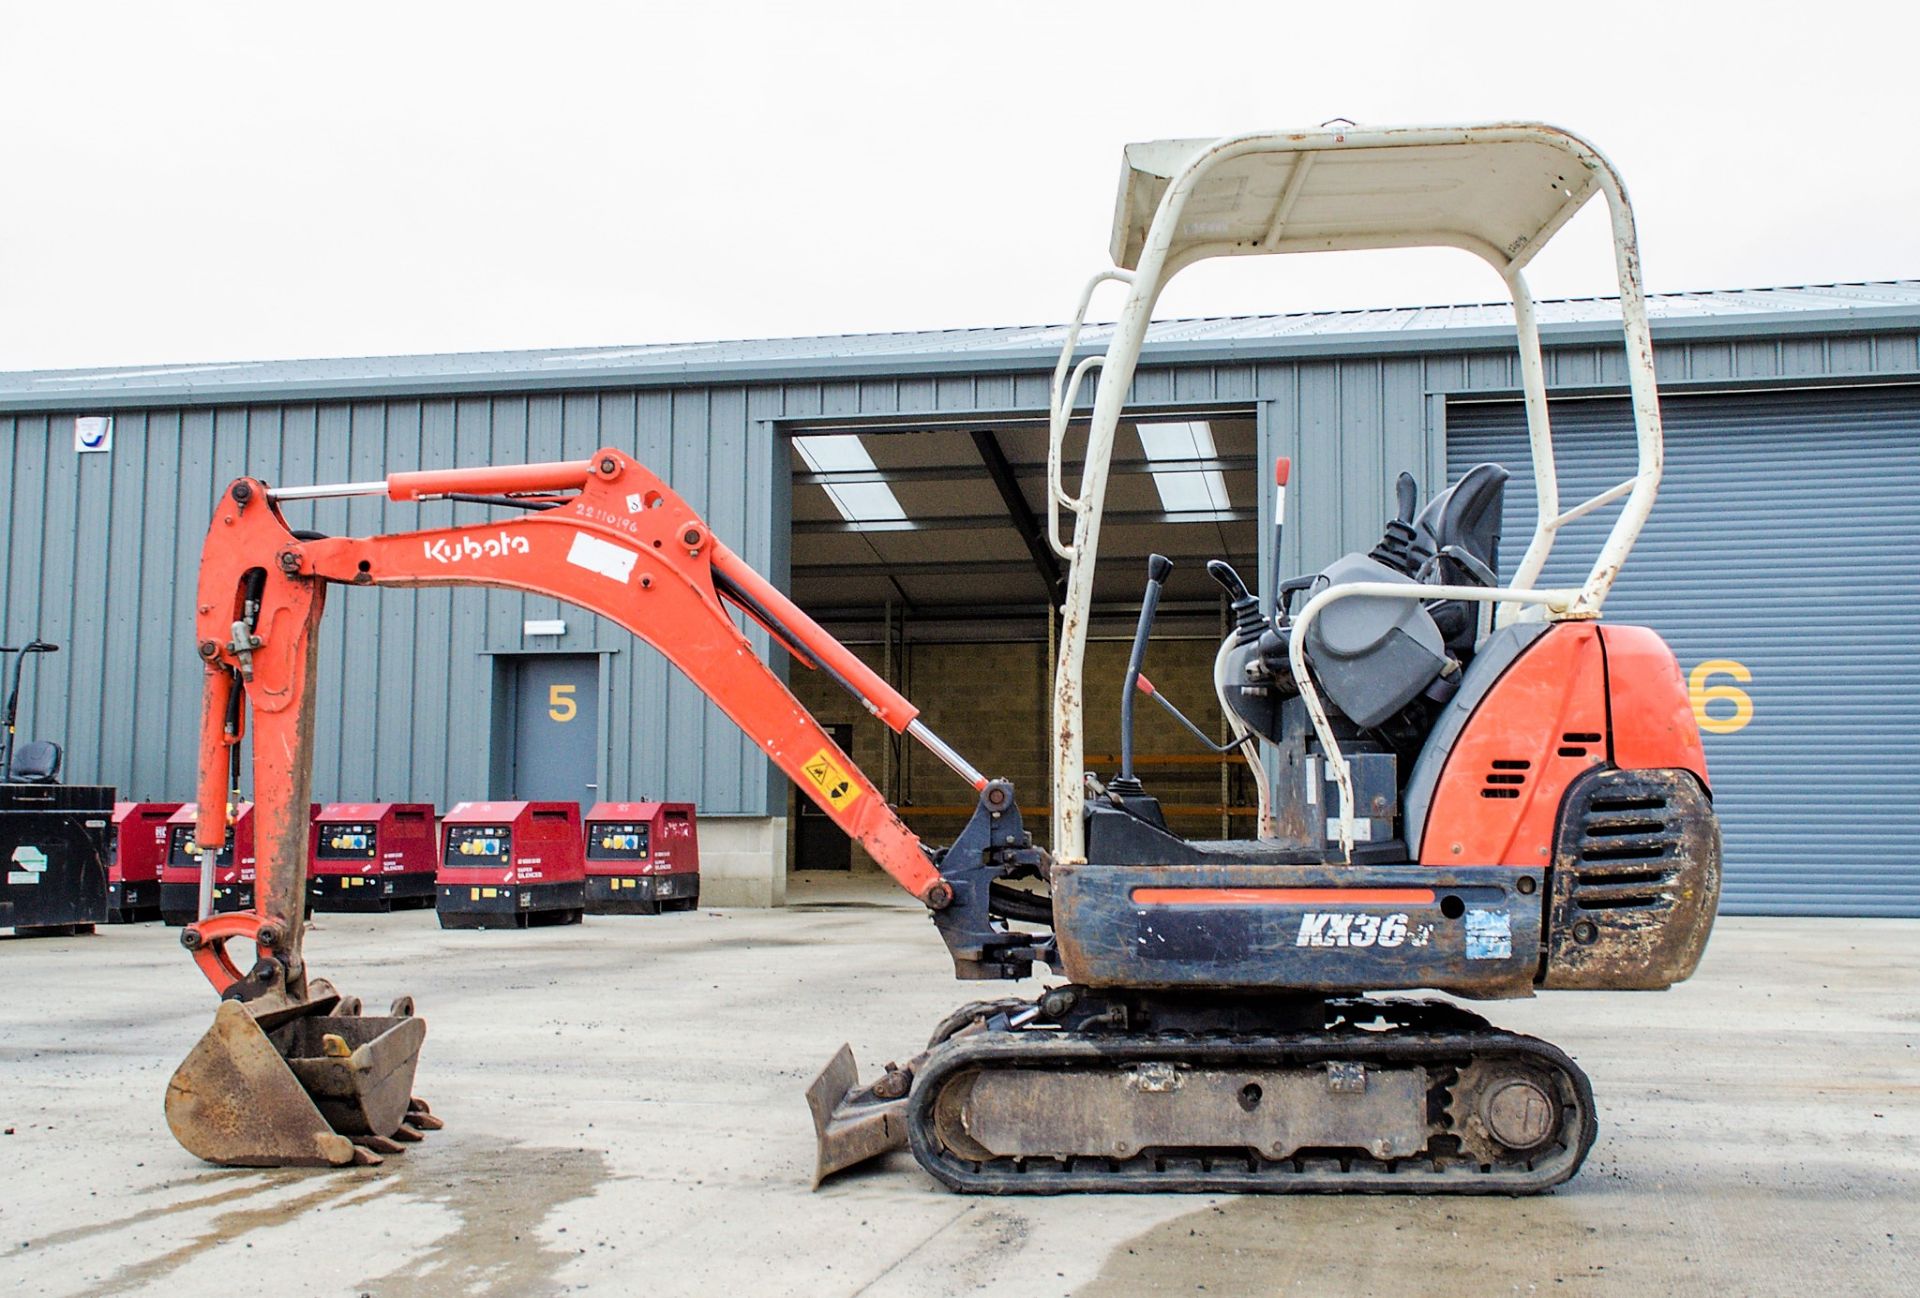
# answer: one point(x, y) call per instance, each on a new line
point(858, 502)
point(1185, 491)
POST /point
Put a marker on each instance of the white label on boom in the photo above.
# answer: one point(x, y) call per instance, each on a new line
point(603, 557)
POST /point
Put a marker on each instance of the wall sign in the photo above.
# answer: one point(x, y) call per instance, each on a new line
point(93, 433)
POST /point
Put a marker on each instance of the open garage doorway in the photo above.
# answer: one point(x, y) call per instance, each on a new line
point(923, 548)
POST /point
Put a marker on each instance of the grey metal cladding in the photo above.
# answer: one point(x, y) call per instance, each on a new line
point(1784, 540)
point(101, 555)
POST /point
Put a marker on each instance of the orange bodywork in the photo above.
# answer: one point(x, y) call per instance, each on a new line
point(1282, 896)
point(625, 547)
point(1653, 724)
point(1543, 723)
point(1581, 696)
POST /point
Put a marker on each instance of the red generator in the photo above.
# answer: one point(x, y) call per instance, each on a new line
point(642, 858)
point(180, 872)
point(134, 856)
point(372, 856)
point(233, 868)
point(511, 865)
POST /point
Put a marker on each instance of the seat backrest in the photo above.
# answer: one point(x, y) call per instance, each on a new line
point(37, 762)
point(1466, 515)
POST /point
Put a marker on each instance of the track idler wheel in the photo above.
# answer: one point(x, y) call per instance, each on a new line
point(274, 1084)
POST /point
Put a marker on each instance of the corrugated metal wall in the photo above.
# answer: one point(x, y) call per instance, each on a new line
point(1779, 564)
point(100, 551)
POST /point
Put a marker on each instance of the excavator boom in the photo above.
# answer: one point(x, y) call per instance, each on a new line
point(605, 534)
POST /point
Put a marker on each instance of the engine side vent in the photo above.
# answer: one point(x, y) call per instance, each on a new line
point(1578, 743)
point(1628, 850)
point(1635, 880)
point(1506, 777)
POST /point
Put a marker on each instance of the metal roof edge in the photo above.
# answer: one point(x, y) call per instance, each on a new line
point(1840, 321)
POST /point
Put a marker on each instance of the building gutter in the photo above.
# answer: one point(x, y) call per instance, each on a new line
point(84, 391)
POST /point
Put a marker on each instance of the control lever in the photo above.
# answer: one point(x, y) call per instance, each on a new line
point(1248, 623)
point(1396, 542)
point(1159, 568)
point(1145, 686)
point(1282, 470)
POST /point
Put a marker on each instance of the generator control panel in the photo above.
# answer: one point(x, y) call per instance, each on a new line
point(183, 851)
point(617, 841)
point(465, 842)
point(351, 842)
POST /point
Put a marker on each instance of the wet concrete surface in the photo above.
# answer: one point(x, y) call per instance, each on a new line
point(624, 1112)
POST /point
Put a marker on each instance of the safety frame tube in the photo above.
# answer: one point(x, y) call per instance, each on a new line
point(1158, 261)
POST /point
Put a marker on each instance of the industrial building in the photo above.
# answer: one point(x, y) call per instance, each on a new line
point(895, 485)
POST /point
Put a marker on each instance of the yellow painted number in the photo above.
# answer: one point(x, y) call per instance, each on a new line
point(561, 707)
point(1704, 694)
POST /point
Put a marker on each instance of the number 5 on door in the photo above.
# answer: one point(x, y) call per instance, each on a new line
point(560, 704)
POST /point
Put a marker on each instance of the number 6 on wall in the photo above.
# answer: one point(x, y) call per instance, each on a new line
point(1702, 694)
point(561, 707)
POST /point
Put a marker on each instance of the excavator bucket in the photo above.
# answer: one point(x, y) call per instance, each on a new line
point(852, 1123)
point(310, 1090)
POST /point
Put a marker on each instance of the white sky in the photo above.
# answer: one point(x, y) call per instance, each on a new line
point(227, 181)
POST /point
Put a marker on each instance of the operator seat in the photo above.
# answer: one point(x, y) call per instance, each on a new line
point(37, 762)
point(1460, 531)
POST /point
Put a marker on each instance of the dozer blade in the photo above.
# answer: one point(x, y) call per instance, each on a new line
point(303, 1095)
point(851, 1123)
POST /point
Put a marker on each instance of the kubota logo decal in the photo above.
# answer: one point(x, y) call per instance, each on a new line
point(1346, 928)
point(467, 548)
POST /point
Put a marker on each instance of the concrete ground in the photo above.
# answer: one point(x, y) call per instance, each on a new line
point(624, 1113)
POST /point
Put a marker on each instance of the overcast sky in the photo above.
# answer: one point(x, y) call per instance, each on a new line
point(227, 181)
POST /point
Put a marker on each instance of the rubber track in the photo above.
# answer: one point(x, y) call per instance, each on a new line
point(1243, 1171)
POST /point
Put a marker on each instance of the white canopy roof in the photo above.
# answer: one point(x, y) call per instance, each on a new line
point(1499, 190)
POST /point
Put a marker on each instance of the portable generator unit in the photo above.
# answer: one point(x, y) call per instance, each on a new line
point(372, 856)
point(511, 865)
point(642, 858)
point(232, 868)
point(135, 851)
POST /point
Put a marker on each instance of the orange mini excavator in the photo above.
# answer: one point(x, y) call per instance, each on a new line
point(1468, 783)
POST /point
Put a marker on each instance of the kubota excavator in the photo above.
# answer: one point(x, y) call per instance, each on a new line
point(1467, 784)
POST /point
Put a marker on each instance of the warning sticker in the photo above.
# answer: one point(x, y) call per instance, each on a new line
point(831, 778)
